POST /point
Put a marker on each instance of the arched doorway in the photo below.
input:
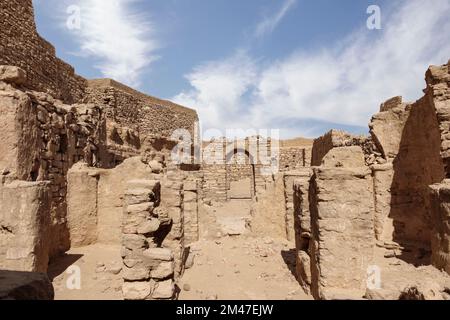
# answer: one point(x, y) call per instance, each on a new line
point(240, 170)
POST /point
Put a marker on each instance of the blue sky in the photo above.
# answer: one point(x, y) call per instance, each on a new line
point(301, 66)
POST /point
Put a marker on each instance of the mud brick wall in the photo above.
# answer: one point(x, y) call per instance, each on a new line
point(21, 45)
point(148, 267)
point(292, 158)
point(147, 115)
point(215, 184)
point(343, 239)
point(239, 168)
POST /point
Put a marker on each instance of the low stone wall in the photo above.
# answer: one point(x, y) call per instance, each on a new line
point(148, 268)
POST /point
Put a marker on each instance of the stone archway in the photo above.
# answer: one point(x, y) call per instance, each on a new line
point(240, 171)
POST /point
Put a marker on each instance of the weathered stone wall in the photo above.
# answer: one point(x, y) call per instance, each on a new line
point(440, 214)
point(335, 139)
point(343, 240)
point(191, 200)
point(95, 200)
point(147, 115)
point(377, 190)
point(45, 135)
point(408, 136)
point(148, 267)
point(291, 218)
point(46, 138)
point(82, 209)
point(302, 228)
point(239, 168)
point(21, 45)
point(292, 158)
point(24, 225)
point(438, 93)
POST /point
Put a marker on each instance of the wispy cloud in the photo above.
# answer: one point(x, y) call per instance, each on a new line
point(341, 84)
point(123, 42)
point(268, 24)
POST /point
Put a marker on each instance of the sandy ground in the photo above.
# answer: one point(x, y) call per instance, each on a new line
point(99, 266)
point(241, 268)
point(229, 262)
point(245, 266)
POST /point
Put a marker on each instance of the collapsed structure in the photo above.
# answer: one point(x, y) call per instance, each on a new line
point(371, 202)
point(90, 161)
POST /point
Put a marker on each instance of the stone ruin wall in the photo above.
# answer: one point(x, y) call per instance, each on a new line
point(148, 116)
point(386, 192)
point(21, 45)
point(59, 188)
point(47, 133)
point(44, 138)
point(242, 163)
point(438, 93)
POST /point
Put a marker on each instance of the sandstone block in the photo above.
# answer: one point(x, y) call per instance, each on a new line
point(149, 226)
point(136, 273)
point(190, 186)
point(164, 290)
point(134, 242)
point(14, 75)
point(141, 207)
point(163, 271)
point(136, 290)
point(162, 254)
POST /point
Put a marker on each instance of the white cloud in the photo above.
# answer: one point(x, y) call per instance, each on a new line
point(122, 41)
point(268, 24)
point(218, 88)
point(341, 84)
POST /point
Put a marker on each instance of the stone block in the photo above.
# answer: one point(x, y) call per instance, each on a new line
point(162, 254)
point(149, 226)
point(134, 242)
point(164, 290)
point(136, 290)
point(13, 75)
point(163, 271)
